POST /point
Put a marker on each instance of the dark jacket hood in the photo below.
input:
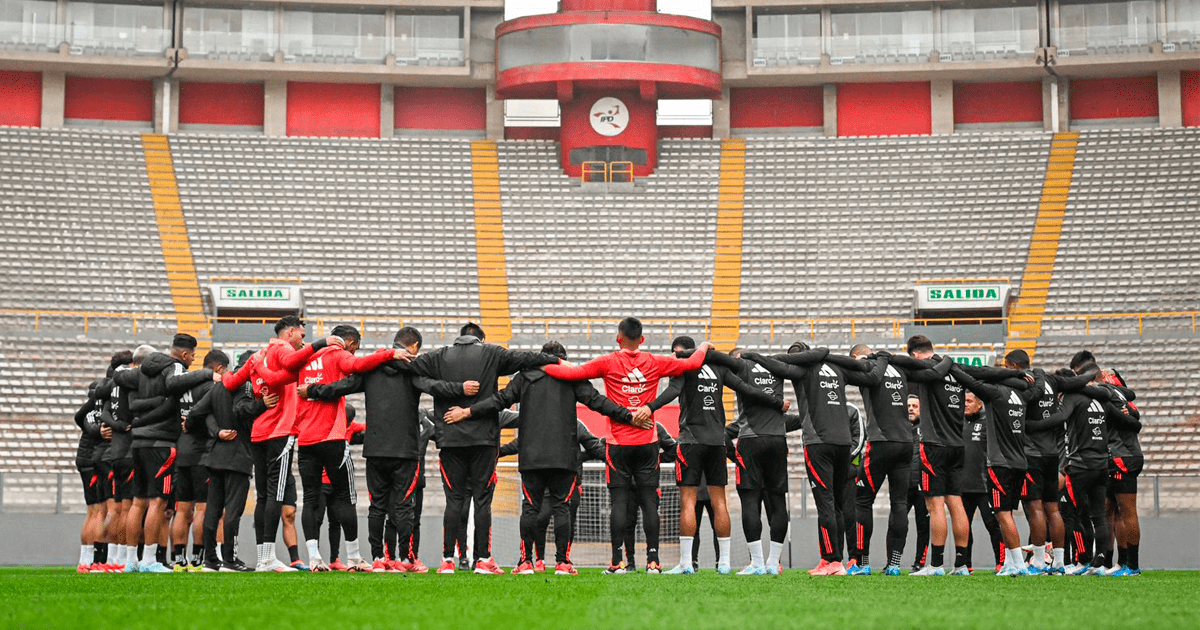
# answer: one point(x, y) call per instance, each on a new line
point(157, 362)
point(533, 375)
point(467, 340)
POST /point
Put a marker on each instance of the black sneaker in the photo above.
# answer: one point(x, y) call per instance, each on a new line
point(464, 564)
point(211, 567)
point(236, 566)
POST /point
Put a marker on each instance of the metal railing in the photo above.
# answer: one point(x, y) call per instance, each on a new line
point(893, 326)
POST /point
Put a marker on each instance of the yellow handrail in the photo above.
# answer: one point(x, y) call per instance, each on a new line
point(593, 168)
point(608, 324)
point(253, 279)
point(958, 280)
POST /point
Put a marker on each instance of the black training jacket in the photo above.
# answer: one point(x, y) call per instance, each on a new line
point(469, 359)
point(756, 418)
point(1123, 440)
point(941, 401)
point(87, 418)
point(701, 396)
point(885, 395)
point(975, 445)
point(820, 383)
point(162, 377)
point(547, 417)
point(590, 446)
point(1004, 404)
point(393, 398)
point(1045, 439)
point(120, 416)
point(191, 446)
point(1089, 420)
point(219, 410)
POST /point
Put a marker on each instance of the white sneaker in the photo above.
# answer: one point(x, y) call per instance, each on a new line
point(928, 571)
point(680, 570)
point(753, 570)
point(277, 566)
point(1096, 571)
point(723, 569)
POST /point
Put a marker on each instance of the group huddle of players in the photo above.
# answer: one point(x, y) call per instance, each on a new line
point(166, 452)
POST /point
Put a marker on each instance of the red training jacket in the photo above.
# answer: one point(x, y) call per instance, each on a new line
point(276, 372)
point(325, 420)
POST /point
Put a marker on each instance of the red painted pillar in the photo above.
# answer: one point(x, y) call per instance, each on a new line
point(609, 126)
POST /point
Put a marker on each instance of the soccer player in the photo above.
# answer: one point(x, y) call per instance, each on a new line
point(275, 369)
point(468, 450)
point(391, 440)
point(820, 387)
point(548, 426)
point(228, 418)
point(156, 428)
point(760, 455)
point(887, 456)
point(701, 452)
point(916, 501)
point(1044, 448)
point(590, 447)
point(191, 479)
point(1005, 398)
point(1090, 418)
point(631, 380)
point(975, 492)
point(1125, 464)
point(120, 453)
point(408, 549)
point(113, 523)
point(941, 453)
point(87, 418)
point(323, 445)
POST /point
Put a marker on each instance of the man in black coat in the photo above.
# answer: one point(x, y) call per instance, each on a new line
point(548, 426)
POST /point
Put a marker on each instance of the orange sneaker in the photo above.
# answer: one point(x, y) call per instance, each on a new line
point(488, 566)
point(337, 565)
point(523, 569)
point(829, 568)
point(565, 568)
point(820, 568)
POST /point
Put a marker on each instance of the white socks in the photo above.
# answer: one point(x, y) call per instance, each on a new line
point(268, 553)
point(1058, 557)
point(1014, 559)
point(685, 550)
point(723, 556)
point(1038, 559)
point(314, 551)
point(112, 553)
point(86, 555)
point(149, 551)
point(776, 552)
point(352, 552)
point(756, 556)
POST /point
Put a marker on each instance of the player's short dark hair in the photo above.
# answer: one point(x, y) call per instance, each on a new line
point(737, 352)
point(288, 321)
point(183, 341)
point(919, 343)
point(1019, 358)
point(554, 348)
point(683, 341)
point(407, 336)
point(1082, 357)
point(472, 329)
point(215, 358)
point(124, 357)
point(798, 346)
point(630, 328)
point(859, 347)
point(243, 358)
point(346, 332)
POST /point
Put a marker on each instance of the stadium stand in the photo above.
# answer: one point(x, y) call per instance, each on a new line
point(1131, 236)
point(372, 228)
point(78, 230)
point(822, 239)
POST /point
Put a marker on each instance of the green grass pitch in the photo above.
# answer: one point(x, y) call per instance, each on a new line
point(41, 598)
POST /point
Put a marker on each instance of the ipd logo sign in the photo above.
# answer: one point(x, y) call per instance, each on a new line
point(609, 116)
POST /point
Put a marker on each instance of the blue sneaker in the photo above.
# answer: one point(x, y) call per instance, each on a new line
point(1055, 571)
point(1080, 569)
point(1101, 571)
point(753, 570)
point(723, 569)
point(1032, 570)
point(1131, 572)
point(928, 571)
point(683, 569)
point(859, 569)
point(891, 569)
point(299, 566)
point(156, 567)
point(132, 567)
point(960, 571)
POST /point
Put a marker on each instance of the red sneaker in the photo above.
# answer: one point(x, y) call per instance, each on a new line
point(395, 566)
point(380, 566)
point(83, 569)
point(337, 565)
point(447, 567)
point(565, 568)
point(999, 568)
point(829, 568)
point(417, 567)
point(539, 566)
point(820, 568)
point(522, 569)
point(96, 567)
point(488, 567)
